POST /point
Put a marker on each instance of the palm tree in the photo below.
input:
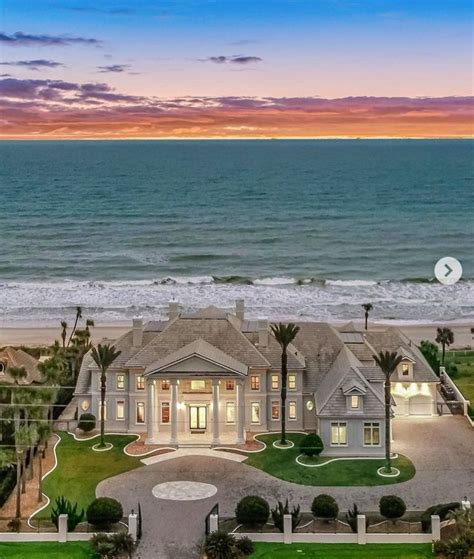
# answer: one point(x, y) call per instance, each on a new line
point(388, 362)
point(367, 308)
point(44, 431)
point(73, 331)
point(445, 337)
point(63, 332)
point(103, 356)
point(284, 335)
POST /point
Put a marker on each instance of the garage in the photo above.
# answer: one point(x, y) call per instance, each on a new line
point(413, 399)
point(420, 405)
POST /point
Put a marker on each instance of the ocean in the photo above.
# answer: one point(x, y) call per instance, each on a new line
point(299, 229)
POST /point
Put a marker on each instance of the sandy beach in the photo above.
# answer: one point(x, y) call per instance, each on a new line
point(36, 336)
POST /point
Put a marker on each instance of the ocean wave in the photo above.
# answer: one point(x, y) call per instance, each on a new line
point(277, 298)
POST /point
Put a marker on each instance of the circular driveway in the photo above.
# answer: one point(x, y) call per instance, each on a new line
point(442, 450)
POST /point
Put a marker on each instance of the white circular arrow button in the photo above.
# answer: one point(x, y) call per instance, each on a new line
point(448, 270)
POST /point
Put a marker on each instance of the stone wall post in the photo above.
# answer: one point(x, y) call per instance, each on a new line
point(435, 527)
point(133, 525)
point(62, 528)
point(361, 529)
point(287, 529)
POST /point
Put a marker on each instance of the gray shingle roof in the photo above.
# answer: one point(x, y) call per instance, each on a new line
point(219, 332)
point(393, 339)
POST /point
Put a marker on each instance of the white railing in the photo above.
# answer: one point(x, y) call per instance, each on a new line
point(459, 395)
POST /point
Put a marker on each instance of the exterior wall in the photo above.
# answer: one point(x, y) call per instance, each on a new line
point(355, 437)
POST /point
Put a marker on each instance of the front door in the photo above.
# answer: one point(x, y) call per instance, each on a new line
point(197, 418)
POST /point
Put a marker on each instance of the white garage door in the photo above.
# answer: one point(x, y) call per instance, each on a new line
point(420, 405)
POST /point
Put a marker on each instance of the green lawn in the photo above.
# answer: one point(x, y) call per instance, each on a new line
point(80, 469)
point(281, 464)
point(45, 550)
point(342, 551)
point(464, 380)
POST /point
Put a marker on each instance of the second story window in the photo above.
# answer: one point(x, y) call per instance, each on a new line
point(140, 382)
point(120, 382)
point(165, 385)
point(255, 382)
point(275, 382)
point(230, 385)
point(291, 382)
point(405, 369)
point(355, 402)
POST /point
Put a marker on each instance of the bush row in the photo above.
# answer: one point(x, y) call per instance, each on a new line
point(7, 484)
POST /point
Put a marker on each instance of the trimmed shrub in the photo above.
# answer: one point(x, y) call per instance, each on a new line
point(245, 546)
point(252, 511)
point(325, 506)
point(280, 510)
point(104, 511)
point(109, 546)
point(221, 545)
point(87, 422)
point(63, 506)
point(442, 510)
point(312, 445)
point(392, 507)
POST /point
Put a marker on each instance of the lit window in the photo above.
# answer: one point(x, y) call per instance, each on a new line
point(355, 402)
point(275, 410)
point(338, 434)
point(230, 385)
point(165, 385)
point(165, 412)
point(275, 382)
point(198, 385)
point(255, 407)
point(140, 415)
point(105, 411)
point(230, 412)
point(120, 411)
point(255, 382)
point(292, 382)
point(292, 410)
point(140, 382)
point(310, 405)
point(371, 434)
point(405, 369)
point(120, 382)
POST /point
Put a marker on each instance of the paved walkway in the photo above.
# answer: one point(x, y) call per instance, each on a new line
point(441, 448)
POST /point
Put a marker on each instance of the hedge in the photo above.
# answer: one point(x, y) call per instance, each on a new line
point(7, 484)
point(441, 510)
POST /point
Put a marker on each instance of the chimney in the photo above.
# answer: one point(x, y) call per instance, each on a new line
point(137, 332)
point(173, 310)
point(262, 332)
point(240, 309)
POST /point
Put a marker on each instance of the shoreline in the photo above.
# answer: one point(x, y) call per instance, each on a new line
point(43, 336)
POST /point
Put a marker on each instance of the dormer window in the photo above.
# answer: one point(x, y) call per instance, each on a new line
point(405, 370)
point(355, 402)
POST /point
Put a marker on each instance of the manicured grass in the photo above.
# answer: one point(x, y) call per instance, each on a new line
point(45, 550)
point(281, 464)
point(464, 380)
point(80, 469)
point(342, 551)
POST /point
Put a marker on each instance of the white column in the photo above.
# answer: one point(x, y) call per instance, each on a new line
point(435, 527)
point(133, 526)
point(215, 411)
point(361, 529)
point(174, 411)
point(213, 523)
point(150, 412)
point(240, 412)
point(62, 528)
point(287, 528)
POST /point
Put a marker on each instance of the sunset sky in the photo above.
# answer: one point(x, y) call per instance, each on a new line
point(235, 68)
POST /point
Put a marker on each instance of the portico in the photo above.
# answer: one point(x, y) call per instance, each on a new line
point(196, 394)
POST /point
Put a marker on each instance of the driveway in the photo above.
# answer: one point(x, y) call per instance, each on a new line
point(442, 450)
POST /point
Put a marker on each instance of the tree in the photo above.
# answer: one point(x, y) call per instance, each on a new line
point(76, 320)
point(388, 362)
point(284, 335)
point(445, 337)
point(430, 352)
point(103, 356)
point(63, 332)
point(367, 308)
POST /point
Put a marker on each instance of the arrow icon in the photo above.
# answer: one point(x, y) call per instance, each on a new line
point(448, 270)
point(448, 267)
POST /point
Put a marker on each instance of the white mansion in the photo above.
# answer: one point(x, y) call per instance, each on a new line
point(213, 377)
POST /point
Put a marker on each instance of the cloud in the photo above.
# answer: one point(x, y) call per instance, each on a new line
point(236, 59)
point(113, 68)
point(94, 9)
point(28, 40)
point(243, 42)
point(33, 64)
point(59, 109)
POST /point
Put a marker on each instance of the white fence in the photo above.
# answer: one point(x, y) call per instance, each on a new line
point(459, 395)
point(62, 535)
point(361, 537)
